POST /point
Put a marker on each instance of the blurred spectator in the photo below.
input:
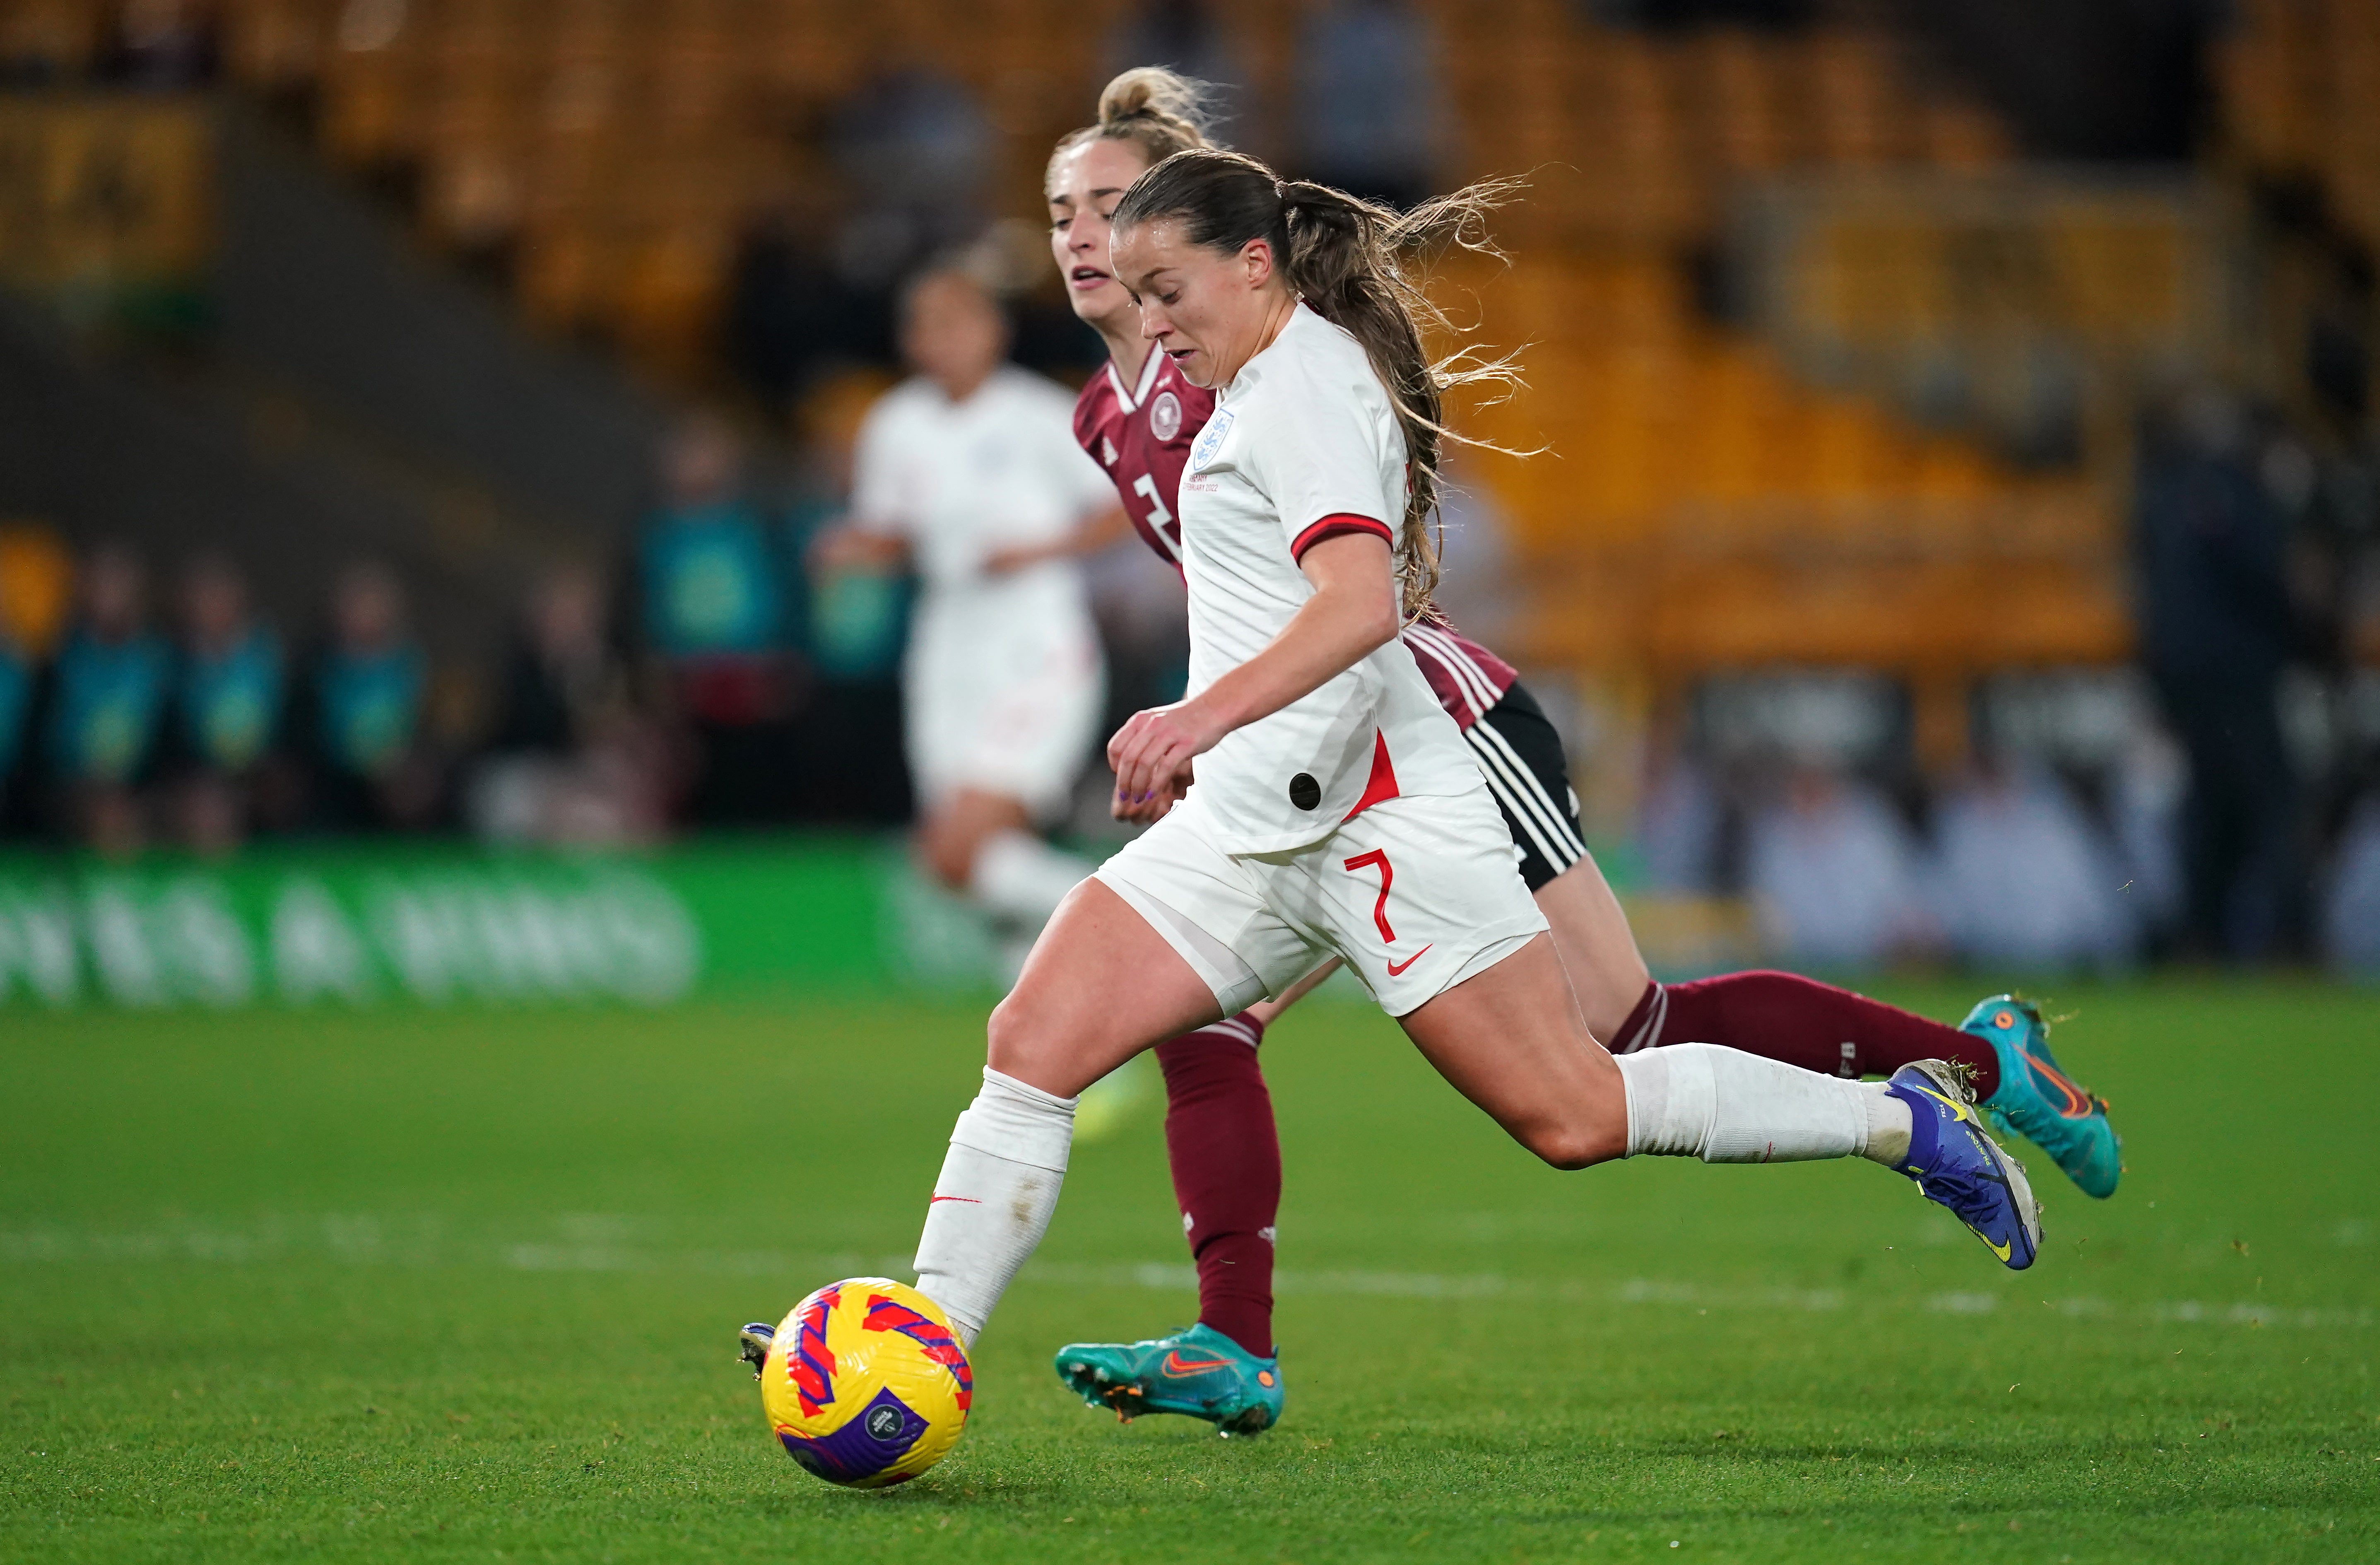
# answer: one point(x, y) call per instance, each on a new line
point(2026, 879)
point(858, 624)
point(2145, 792)
point(1183, 36)
point(792, 317)
point(2351, 912)
point(365, 700)
point(16, 707)
point(572, 760)
point(1833, 869)
point(227, 708)
point(1372, 119)
point(161, 45)
point(711, 594)
point(913, 151)
point(1682, 822)
point(2217, 626)
point(105, 705)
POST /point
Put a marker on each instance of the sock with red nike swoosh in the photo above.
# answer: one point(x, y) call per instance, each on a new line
point(992, 1203)
point(1724, 1106)
point(1226, 1162)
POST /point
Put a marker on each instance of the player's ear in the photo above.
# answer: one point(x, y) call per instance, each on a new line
point(1255, 259)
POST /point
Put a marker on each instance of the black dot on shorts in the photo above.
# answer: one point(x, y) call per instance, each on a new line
point(1304, 791)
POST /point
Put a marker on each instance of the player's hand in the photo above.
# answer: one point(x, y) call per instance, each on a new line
point(1151, 755)
point(1016, 557)
point(1154, 808)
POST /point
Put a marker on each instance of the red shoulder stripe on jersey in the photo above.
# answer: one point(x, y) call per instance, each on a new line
point(1334, 526)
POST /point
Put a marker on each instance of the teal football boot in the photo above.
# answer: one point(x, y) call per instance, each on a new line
point(1199, 1373)
point(2040, 1102)
point(1956, 1165)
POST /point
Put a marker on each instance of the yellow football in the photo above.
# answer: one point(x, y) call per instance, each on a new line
point(866, 1383)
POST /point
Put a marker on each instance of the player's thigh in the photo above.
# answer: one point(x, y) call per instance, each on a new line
point(1598, 948)
point(1414, 893)
point(1510, 1037)
point(1100, 985)
point(1520, 755)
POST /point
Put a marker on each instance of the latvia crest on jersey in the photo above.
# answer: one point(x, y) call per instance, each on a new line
point(1165, 416)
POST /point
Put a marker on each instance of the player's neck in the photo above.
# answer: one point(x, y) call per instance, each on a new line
point(1129, 351)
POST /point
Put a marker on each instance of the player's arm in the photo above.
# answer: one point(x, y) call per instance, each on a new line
point(1100, 529)
point(856, 546)
point(1353, 613)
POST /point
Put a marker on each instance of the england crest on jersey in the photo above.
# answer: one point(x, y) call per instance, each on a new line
point(1210, 439)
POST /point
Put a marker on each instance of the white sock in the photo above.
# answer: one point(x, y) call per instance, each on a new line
point(1019, 876)
point(992, 1203)
point(1724, 1106)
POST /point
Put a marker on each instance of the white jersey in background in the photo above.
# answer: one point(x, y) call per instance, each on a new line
point(1003, 678)
point(1302, 446)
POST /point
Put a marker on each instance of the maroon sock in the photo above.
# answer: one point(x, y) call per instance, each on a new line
point(1802, 1021)
point(1219, 1136)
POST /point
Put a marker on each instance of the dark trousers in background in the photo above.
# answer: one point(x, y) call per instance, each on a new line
point(2243, 859)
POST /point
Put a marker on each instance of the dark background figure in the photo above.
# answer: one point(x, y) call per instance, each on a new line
point(573, 755)
point(161, 46)
point(710, 609)
point(2218, 628)
point(1371, 110)
point(795, 312)
point(1183, 35)
point(857, 624)
point(16, 674)
point(229, 696)
point(364, 704)
point(103, 706)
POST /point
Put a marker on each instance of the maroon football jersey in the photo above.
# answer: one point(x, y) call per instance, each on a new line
point(1141, 435)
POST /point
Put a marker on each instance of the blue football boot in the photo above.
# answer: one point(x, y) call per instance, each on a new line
point(2040, 1102)
point(1198, 1372)
point(1959, 1167)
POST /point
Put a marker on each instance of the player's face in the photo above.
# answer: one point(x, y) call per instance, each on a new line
point(1206, 310)
point(953, 334)
point(1086, 182)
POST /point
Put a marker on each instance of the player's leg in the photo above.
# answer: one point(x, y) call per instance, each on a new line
point(1419, 897)
point(1170, 936)
point(2003, 1044)
point(1100, 987)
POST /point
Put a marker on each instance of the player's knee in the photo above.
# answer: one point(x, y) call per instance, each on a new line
point(948, 854)
point(1575, 1143)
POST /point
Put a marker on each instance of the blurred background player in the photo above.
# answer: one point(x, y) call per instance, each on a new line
point(1138, 416)
point(967, 470)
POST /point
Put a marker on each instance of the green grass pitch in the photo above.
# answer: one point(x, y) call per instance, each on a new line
point(431, 1285)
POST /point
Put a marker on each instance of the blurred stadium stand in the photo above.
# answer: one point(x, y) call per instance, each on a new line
point(1840, 343)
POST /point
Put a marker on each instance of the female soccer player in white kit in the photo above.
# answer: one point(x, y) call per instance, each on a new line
point(970, 469)
point(1311, 796)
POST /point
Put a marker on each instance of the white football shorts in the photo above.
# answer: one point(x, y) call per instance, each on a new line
point(1417, 894)
point(1013, 711)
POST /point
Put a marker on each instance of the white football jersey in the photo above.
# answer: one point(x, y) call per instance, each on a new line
point(1303, 443)
point(960, 480)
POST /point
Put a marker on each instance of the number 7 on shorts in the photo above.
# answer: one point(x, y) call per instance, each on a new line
point(1387, 878)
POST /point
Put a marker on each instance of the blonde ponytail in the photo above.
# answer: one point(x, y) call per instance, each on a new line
point(1160, 112)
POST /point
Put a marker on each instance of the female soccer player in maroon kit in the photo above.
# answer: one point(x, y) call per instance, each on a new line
point(1138, 416)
